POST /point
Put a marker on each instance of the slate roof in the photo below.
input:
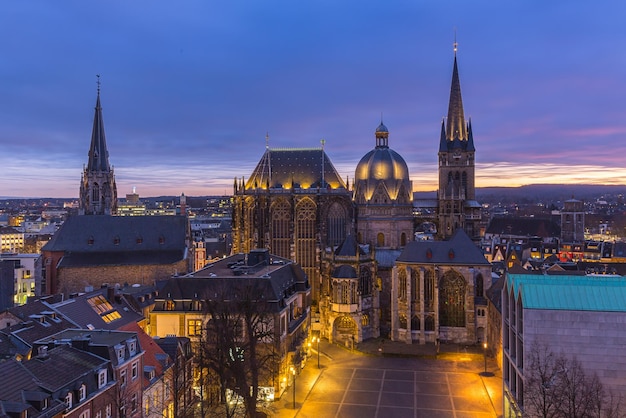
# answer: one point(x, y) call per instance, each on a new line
point(39, 320)
point(272, 281)
point(525, 227)
point(21, 379)
point(118, 234)
point(63, 366)
point(349, 248)
point(386, 258)
point(280, 167)
point(458, 250)
point(602, 293)
point(81, 311)
point(120, 258)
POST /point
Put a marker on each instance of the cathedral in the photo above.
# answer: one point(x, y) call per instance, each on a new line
point(347, 240)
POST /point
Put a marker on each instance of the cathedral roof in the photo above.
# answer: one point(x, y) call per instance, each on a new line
point(295, 168)
point(98, 152)
point(382, 165)
point(459, 250)
point(349, 248)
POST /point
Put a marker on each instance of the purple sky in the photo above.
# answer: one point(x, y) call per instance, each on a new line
point(189, 89)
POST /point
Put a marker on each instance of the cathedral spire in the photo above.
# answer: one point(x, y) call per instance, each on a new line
point(456, 121)
point(98, 152)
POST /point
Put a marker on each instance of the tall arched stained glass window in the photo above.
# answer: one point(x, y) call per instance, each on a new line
point(336, 224)
point(281, 238)
point(452, 300)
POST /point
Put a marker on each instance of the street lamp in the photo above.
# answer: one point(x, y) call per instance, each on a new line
point(485, 355)
point(293, 371)
point(318, 351)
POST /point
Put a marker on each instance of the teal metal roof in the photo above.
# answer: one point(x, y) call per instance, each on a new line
point(602, 293)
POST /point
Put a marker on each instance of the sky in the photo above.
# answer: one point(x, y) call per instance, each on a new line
point(189, 89)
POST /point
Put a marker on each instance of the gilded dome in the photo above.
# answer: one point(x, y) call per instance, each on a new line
point(382, 165)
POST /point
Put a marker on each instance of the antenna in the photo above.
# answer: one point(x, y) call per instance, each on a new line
point(323, 142)
point(98, 83)
point(455, 45)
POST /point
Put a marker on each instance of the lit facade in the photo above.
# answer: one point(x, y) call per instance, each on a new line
point(295, 204)
point(11, 240)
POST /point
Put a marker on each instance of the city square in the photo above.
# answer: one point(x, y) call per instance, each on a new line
point(362, 384)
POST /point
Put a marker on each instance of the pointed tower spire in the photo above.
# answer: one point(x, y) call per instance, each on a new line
point(470, 137)
point(456, 120)
point(98, 192)
point(98, 152)
point(443, 144)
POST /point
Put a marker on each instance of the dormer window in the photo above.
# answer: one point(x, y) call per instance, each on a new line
point(132, 347)
point(90, 240)
point(116, 240)
point(161, 239)
point(139, 240)
point(82, 392)
point(102, 378)
point(68, 400)
point(120, 353)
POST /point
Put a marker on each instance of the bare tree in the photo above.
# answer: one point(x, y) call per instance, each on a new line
point(239, 340)
point(558, 387)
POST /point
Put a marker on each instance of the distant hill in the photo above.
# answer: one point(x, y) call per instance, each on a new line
point(540, 192)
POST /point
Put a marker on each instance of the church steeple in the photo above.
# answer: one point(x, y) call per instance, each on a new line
point(98, 192)
point(98, 152)
point(456, 196)
point(456, 128)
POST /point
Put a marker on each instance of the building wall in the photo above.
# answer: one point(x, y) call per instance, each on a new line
point(75, 279)
point(596, 339)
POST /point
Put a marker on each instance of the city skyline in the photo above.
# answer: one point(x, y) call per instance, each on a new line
point(189, 93)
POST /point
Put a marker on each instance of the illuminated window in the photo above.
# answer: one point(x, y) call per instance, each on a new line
point(194, 327)
point(380, 239)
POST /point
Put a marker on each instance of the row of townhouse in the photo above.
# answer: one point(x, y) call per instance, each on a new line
point(88, 356)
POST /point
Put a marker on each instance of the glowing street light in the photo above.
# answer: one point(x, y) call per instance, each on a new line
point(317, 339)
point(485, 355)
point(293, 372)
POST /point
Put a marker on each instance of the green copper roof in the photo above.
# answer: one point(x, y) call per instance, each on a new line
point(602, 293)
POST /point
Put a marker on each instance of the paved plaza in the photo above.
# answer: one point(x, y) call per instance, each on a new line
point(352, 384)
